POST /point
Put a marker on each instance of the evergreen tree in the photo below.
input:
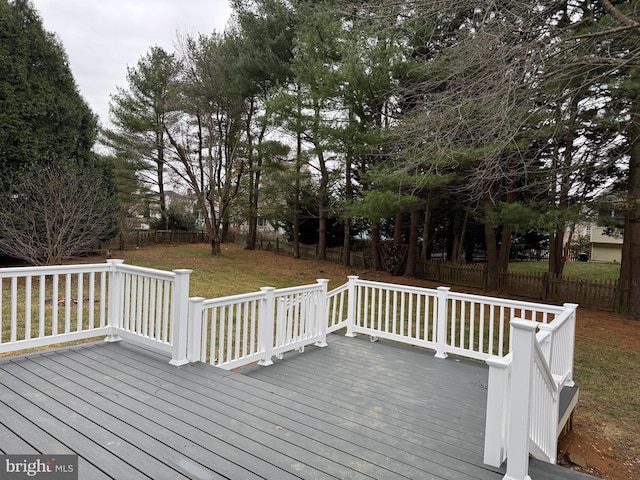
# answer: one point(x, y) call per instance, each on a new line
point(57, 198)
point(41, 112)
point(139, 115)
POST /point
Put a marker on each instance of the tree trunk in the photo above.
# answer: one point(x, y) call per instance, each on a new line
point(425, 228)
point(505, 249)
point(215, 246)
point(412, 256)
point(160, 174)
point(296, 197)
point(323, 190)
point(632, 232)
point(493, 270)
point(215, 230)
point(323, 209)
point(397, 229)
point(375, 246)
point(348, 195)
point(459, 252)
point(252, 235)
point(296, 205)
point(624, 282)
point(346, 243)
point(296, 218)
point(224, 234)
point(556, 253)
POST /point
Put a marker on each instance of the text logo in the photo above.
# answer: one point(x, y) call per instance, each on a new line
point(50, 467)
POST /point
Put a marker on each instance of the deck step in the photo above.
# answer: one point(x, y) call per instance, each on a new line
point(568, 402)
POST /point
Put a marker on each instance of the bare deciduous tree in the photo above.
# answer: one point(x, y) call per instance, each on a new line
point(51, 212)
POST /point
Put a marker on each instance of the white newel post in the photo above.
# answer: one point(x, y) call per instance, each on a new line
point(524, 336)
point(266, 318)
point(441, 325)
point(321, 313)
point(571, 343)
point(351, 305)
point(115, 300)
point(180, 315)
point(194, 333)
point(498, 389)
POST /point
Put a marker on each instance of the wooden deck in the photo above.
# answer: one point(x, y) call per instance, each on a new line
point(353, 410)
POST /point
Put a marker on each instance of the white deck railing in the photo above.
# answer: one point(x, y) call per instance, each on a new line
point(42, 306)
point(47, 305)
point(524, 392)
point(150, 307)
point(472, 326)
point(234, 331)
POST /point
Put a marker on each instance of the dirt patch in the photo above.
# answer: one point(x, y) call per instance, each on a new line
point(604, 441)
point(587, 448)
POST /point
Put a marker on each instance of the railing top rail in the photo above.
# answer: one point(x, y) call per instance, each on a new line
point(149, 272)
point(300, 289)
point(559, 320)
point(338, 290)
point(242, 297)
point(52, 270)
point(396, 286)
point(507, 302)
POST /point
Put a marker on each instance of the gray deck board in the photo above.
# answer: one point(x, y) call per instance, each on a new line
point(351, 410)
point(300, 442)
point(228, 422)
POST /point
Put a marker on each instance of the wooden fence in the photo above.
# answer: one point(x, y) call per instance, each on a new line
point(282, 247)
point(599, 294)
point(131, 239)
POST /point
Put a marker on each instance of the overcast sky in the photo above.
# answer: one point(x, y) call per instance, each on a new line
point(103, 37)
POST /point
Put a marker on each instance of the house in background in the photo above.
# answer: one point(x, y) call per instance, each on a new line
point(604, 247)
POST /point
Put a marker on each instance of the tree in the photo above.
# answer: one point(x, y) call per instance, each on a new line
point(139, 115)
point(206, 128)
point(41, 112)
point(57, 197)
point(469, 107)
point(265, 31)
point(54, 210)
point(601, 48)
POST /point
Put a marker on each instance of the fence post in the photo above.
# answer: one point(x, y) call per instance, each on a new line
point(545, 286)
point(524, 336)
point(266, 318)
point(441, 325)
point(180, 318)
point(498, 389)
point(351, 305)
point(115, 300)
point(194, 333)
point(321, 313)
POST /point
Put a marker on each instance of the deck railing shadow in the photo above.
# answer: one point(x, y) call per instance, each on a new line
point(528, 346)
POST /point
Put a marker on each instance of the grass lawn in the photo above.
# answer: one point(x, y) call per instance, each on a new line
point(583, 270)
point(236, 270)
